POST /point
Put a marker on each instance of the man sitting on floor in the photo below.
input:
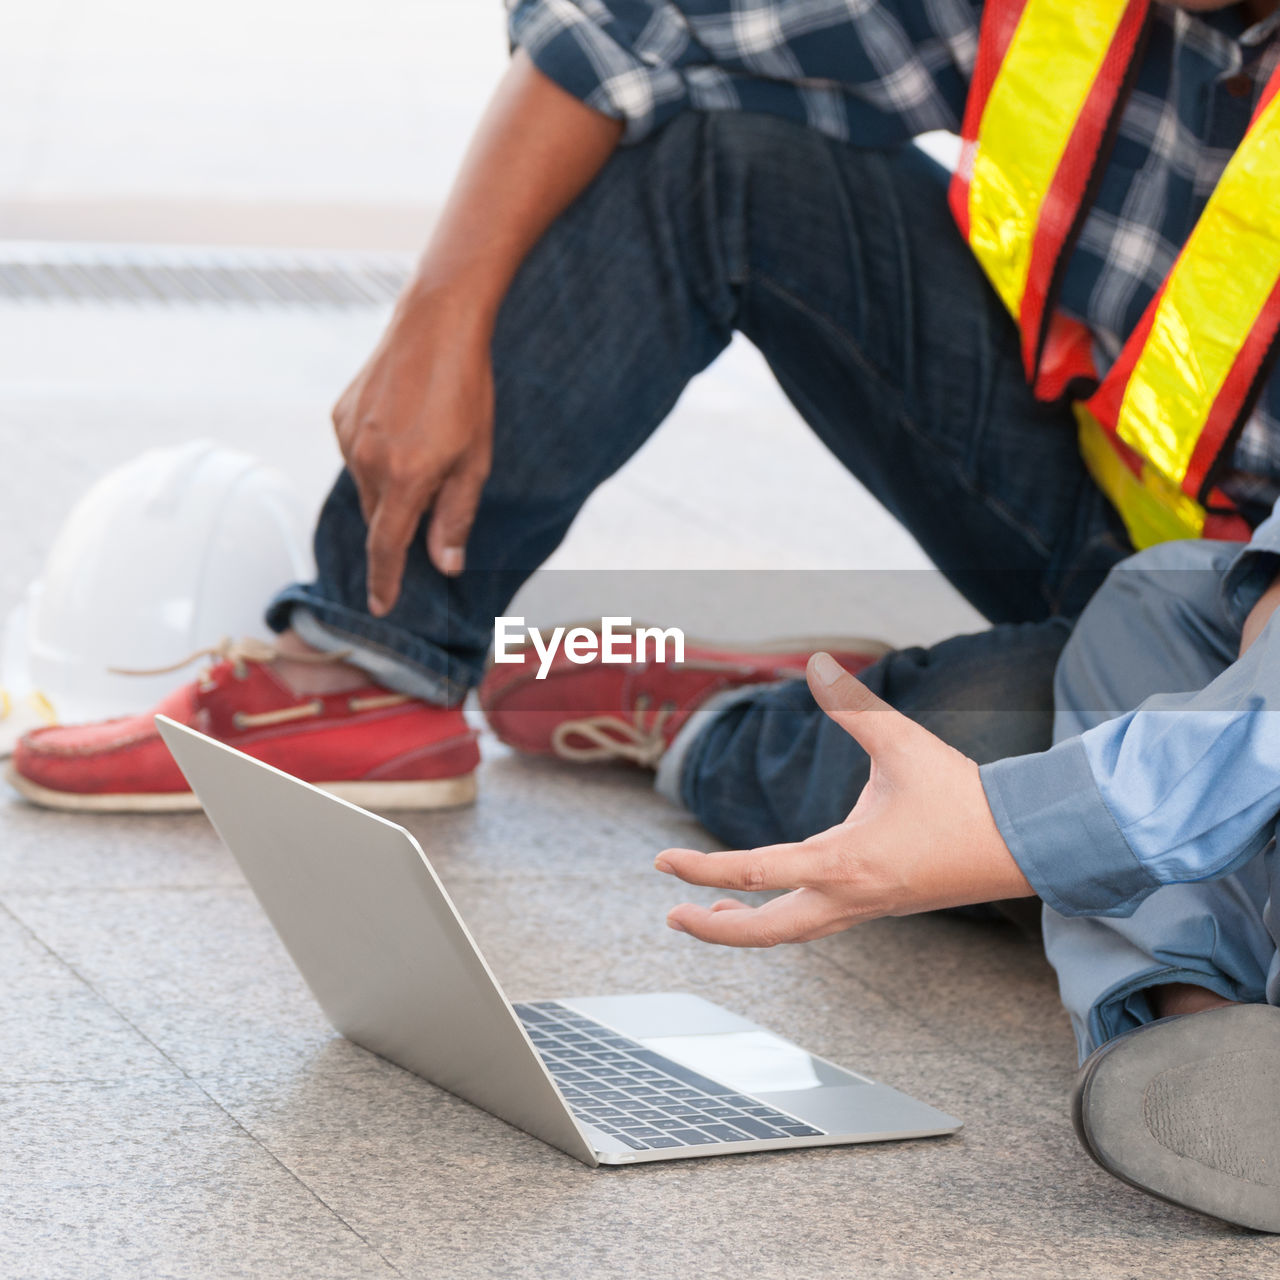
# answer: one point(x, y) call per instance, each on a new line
point(1149, 830)
point(1067, 359)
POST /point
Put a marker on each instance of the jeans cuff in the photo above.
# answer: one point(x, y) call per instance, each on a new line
point(378, 649)
point(671, 768)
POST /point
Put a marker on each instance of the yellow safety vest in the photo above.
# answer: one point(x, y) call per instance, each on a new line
point(1049, 83)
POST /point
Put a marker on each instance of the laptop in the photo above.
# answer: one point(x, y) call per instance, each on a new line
point(609, 1080)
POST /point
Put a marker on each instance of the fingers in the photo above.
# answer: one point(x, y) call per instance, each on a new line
point(796, 917)
point(779, 866)
point(368, 501)
point(454, 512)
point(394, 523)
point(871, 722)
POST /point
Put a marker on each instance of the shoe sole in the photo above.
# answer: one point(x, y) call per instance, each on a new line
point(1206, 1083)
point(434, 793)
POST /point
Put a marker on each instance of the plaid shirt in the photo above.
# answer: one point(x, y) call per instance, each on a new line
point(880, 72)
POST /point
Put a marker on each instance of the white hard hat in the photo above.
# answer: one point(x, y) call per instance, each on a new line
point(162, 557)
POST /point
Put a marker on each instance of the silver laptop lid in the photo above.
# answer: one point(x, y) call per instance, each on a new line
point(374, 933)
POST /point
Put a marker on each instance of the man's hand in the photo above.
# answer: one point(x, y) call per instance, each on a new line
point(921, 837)
point(1260, 615)
point(416, 431)
point(416, 426)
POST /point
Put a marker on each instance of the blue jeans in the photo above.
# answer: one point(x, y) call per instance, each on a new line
point(842, 265)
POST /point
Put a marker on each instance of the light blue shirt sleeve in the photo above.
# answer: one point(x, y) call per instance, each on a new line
point(1185, 787)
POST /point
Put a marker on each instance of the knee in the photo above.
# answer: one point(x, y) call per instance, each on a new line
point(1156, 624)
point(1181, 555)
point(1164, 588)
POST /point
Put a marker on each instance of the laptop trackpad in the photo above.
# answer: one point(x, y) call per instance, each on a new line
point(870, 1110)
point(714, 1042)
point(749, 1061)
point(668, 1013)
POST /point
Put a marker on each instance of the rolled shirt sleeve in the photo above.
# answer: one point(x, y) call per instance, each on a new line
point(1065, 840)
point(877, 72)
point(1185, 787)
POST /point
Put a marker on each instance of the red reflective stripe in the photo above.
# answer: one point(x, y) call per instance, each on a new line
point(1105, 403)
point(1067, 358)
point(1240, 382)
point(1234, 394)
point(1000, 20)
point(1235, 391)
point(1227, 526)
point(1273, 87)
point(1061, 206)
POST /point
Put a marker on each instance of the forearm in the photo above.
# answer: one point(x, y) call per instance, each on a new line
point(535, 150)
point(416, 424)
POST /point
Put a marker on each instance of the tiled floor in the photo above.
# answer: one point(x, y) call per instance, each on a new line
point(172, 1102)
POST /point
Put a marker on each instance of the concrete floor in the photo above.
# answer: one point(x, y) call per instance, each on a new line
point(174, 1104)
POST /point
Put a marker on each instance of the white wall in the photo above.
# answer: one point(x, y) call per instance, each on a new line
point(360, 101)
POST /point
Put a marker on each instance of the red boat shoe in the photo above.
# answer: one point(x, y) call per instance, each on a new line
point(375, 748)
point(632, 711)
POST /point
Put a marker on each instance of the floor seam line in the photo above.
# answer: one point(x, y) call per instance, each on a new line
point(196, 1084)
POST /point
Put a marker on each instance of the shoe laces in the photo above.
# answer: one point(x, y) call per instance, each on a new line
point(239, 653)
point(613, 737)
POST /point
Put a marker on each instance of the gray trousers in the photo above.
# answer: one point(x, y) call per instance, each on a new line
point(1158, 625)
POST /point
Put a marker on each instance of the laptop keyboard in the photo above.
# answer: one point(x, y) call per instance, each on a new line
point(639, 1097)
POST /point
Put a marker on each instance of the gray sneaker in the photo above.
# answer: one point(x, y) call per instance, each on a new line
point(1188, 1109)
